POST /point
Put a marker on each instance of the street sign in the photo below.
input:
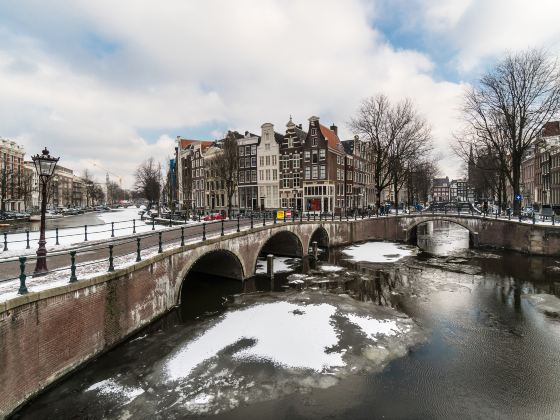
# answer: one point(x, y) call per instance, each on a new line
point(518, 197)
point(280, 214)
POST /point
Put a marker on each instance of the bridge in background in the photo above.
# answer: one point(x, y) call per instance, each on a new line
point(46, 334)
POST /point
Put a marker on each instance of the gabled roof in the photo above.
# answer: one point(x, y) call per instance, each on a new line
point(332, 138)
point(278, 138)
point(348, 146)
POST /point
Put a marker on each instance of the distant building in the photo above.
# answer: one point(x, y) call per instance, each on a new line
point(11, 176)
point(268, 166)
point(247, 186)
point(441, 189)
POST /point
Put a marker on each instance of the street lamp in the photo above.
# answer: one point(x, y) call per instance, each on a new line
point(45, 165)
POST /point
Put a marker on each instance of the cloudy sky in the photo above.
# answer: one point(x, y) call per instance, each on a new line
point(110, 83)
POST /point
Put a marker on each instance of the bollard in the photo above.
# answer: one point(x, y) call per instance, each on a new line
point(533, 218)
point(222, 232)
point(22, 288)
point(160, 250)
point(264, 219)
point(138, 257)
point(238, 223)
point(182, 236)
point(56, 230)
point(154, 223)
point(85, 233)
point(27, 238)
point(251, 220)
point(203, 231)
point(314, 249)
point(270, 265)
point(112, 229)
point(284, 216)
point(111, 266)
point(5, 241)
point(73, 277)
point(133, 225)
point(274, 218)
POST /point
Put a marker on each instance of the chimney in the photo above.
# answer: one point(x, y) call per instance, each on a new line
point(334, 128)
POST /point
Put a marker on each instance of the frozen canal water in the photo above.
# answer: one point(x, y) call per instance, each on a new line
point(376, 330)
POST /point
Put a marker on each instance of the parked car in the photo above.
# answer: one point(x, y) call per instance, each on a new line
point(213, 216)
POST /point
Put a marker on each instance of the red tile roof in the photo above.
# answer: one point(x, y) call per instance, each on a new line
point(332, 138)
point(187, 142)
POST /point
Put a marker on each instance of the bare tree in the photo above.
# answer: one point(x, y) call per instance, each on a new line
point(396, 135)
point(89, 184)
point(419, 180)
point(148, 180)
point(225, 165)
point(508, 108)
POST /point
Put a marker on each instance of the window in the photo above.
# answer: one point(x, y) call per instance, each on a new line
point(268, 174)
point(284, 202)
point(254, 175)
point(261, 175)
point(253, 161)
point(241, 162)
point(254, 149)
point(322, 173)
point(267, 146)
point(274, 175)
point(322, 154)
point(248, 150)
point(296, 161)
point(241, 177)
point(285, 162)
point(261, 160)
point(274, 159)
point(307, 172)
point(286, 182)
point(307, 155)
point(296, 181)
point(313, 131)
point(315, 157)
point(241, 151)
point(290, 142)
point(267, 160)
point(314, 172)
point(314, 141)
point(247, 161)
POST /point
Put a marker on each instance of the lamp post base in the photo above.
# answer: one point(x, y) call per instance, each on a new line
point(41, 264)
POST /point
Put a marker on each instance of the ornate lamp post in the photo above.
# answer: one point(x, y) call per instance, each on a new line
point(45, 165)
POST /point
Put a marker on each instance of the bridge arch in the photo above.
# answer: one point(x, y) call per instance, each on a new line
point(412, 227)
point(217, 262)
point(320, 235)
point(282, 243)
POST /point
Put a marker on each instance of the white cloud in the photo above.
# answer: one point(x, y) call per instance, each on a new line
point(88, 78)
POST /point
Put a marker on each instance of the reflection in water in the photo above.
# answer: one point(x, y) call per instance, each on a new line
point(442, 238)
point(490, 352)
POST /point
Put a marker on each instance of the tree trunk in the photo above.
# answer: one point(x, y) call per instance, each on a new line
point(396, 193)
point(516, 175)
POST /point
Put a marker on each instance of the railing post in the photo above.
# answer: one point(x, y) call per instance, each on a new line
point(112, 229)
point(308, 216)
point(332, 216)
point(203, 231)
point(27, 239)
point(85, 233)
point(284, 217)
point(133, 226)
point(533, 218)
point(496, 215)
point(264, 219)
point(153, 223)
point(182, 236)
point(520, 218)
point(56, 233)
point(22, 288)
point(362, 215)
point(509, 215)
point(301, 216)
point(138, 257)
point(321, 217)
point(160, 250)
point(274, 218)
point(5, 241)
point(73, 277)
point(170, 219)
point(340, 215)
point(346, 216)
point(355, 215)
point(222, 232)
point(111, 266)
point(314, 216)
point(238, 223)
point(553, 220)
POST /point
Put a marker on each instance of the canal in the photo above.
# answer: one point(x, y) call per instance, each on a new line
point(375, 330)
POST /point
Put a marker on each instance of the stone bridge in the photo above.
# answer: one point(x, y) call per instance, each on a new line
point(45, 335)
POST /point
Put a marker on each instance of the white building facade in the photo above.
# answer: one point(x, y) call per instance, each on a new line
point(268, 155)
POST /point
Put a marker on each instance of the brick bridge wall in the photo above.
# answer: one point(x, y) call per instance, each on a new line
point(45, 335)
